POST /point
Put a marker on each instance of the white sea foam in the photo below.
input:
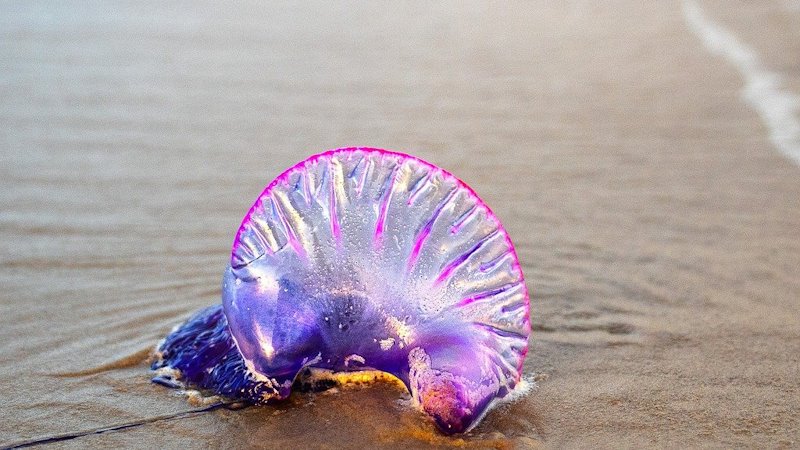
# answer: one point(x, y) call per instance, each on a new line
point(778, 107)
point(526, 385)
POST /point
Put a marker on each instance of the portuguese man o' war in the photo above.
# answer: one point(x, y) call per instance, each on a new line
point(363, 259)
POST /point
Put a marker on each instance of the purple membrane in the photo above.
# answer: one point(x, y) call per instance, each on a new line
point(364, 259)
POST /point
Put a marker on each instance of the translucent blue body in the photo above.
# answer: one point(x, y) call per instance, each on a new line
point(365, 259)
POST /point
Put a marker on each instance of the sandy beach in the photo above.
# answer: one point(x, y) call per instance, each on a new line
point(643, 156)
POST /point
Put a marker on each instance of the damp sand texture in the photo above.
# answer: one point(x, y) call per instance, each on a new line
point(641, 156)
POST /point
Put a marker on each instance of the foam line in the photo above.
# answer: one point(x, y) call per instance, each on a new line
point(763, 90)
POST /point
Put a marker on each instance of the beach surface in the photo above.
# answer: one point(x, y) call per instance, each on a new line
point(643, 156)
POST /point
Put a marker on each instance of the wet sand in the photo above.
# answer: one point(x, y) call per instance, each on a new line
point(657, 222)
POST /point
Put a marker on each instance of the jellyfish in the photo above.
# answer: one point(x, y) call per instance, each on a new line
point(363, 259)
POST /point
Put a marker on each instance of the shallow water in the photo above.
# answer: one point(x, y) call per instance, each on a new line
point(656, 223)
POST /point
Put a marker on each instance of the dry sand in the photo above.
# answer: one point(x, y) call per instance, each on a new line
point(657, 223)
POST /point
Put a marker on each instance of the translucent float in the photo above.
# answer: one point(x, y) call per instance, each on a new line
point(363, 259)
